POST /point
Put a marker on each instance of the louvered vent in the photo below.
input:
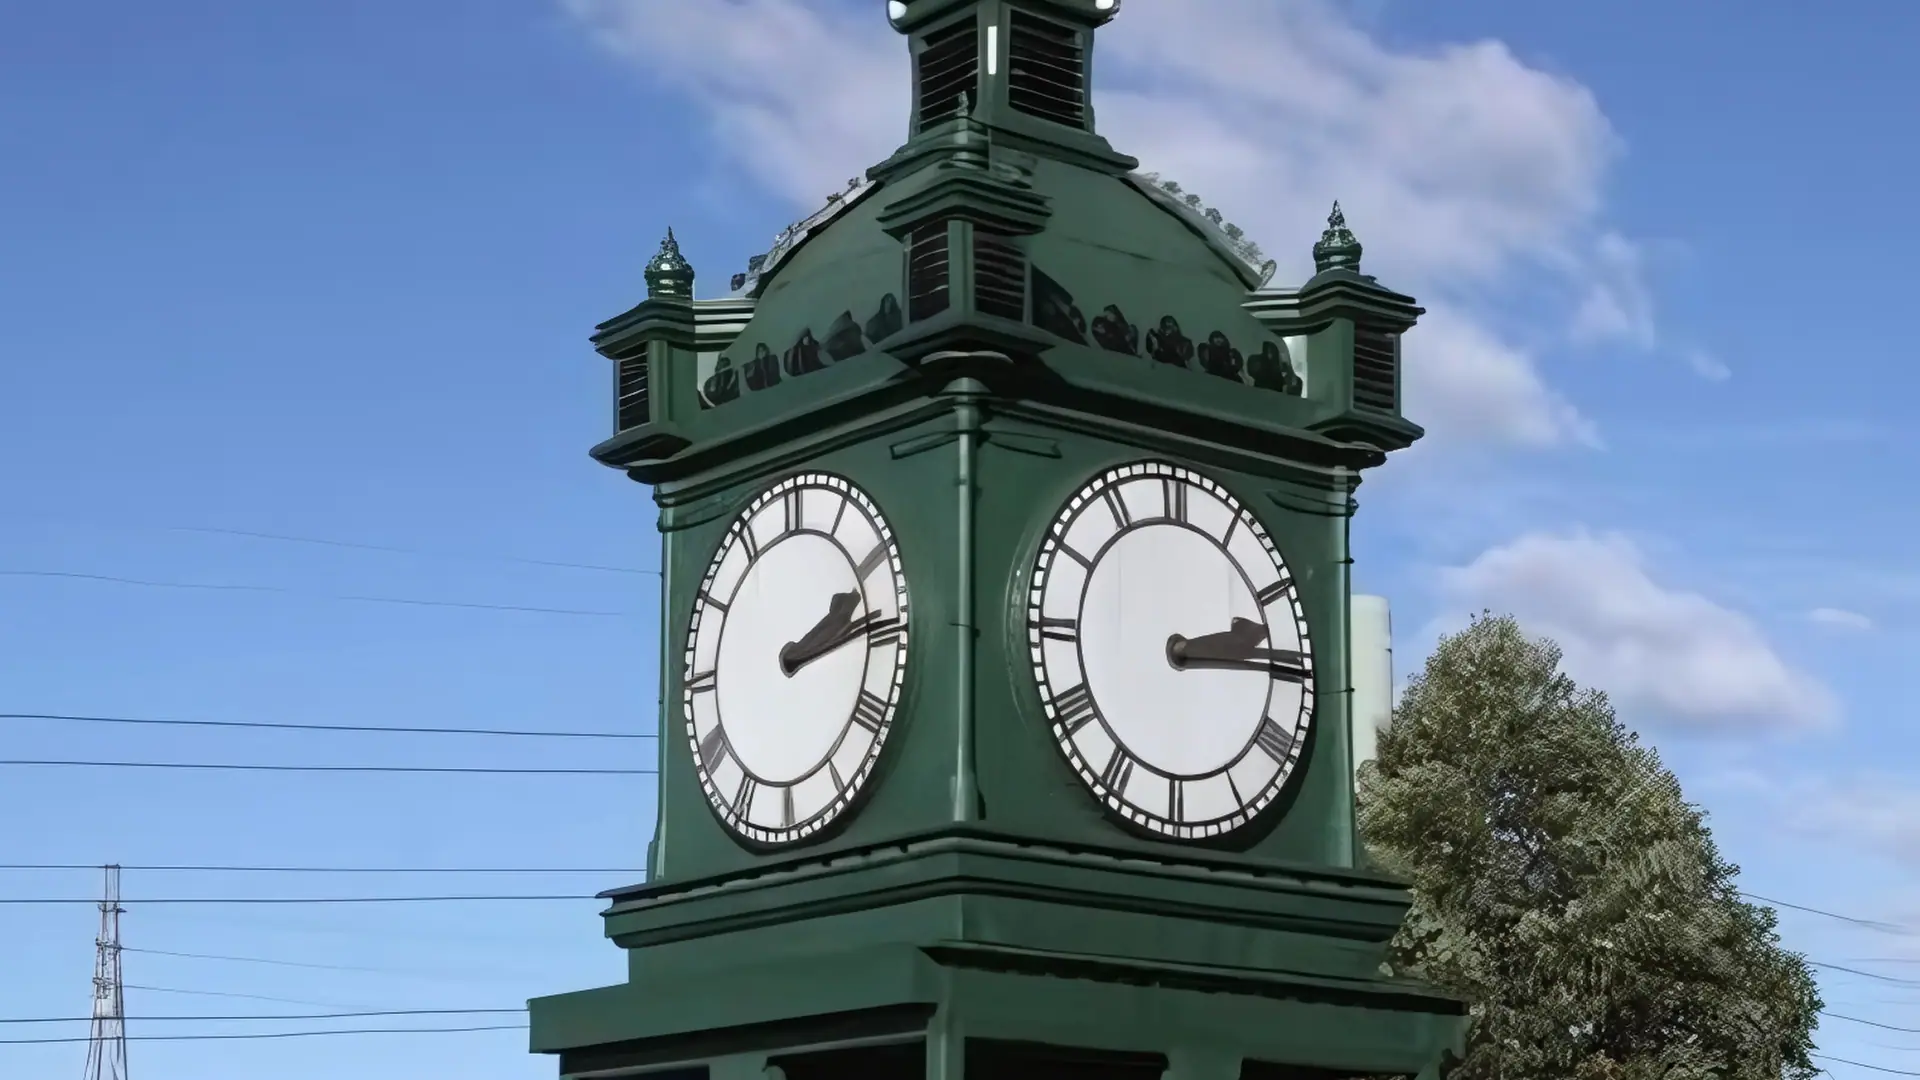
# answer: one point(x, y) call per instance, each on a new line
point(947, 66)
point(630, 393)
point(1048, 76)
point(1376, 356)
point(928, 272)
point(999, 277)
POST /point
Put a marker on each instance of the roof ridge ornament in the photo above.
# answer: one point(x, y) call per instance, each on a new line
point(1233, 235)
point(668, 273)
point(789, 238)
point(1337, 249)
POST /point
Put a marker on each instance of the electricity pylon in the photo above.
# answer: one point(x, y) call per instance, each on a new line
point(107, 1048)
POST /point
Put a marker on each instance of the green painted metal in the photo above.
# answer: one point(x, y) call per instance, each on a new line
point(977, 913)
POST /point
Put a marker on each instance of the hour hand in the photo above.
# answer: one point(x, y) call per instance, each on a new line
point(828, 634)
point(1236, 648)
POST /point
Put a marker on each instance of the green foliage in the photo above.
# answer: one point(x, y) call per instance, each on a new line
point(1564, 887)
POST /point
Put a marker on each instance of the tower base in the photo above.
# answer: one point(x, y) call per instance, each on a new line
point(960, 957)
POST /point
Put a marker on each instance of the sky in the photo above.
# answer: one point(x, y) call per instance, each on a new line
point(325, 271)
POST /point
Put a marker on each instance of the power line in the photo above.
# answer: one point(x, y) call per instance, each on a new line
point(1869, 1023)
point(405, 973)
point(114, 579)
point(38, 900)
point(465, 977)
point(285, 1034)
point(1865, 974)
point(243, 767)
point(361, 1014)
point(228, 994)
point(289, 726)
point(396, 550)
point(1871, 924)
point(333, 870)
point(1863, 1065)
point(263, 960)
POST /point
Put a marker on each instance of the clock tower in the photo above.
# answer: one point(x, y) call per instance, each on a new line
point(1005, 681)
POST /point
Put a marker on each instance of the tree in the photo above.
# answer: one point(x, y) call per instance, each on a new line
point(1563, 886)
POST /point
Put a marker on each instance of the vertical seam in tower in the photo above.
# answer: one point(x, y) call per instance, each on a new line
point(967, 423)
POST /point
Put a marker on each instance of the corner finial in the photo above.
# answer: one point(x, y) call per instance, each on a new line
point(668, 274)
point(969, 137)
point(1337, 249)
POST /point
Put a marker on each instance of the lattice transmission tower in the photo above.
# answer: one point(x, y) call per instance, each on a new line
point(107, 1048)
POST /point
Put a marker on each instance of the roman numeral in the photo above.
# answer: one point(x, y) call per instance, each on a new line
point(706, 598)
point(743, 795)
point(702, 682)
point(833, 774)
point(1072, 708)
point(790, 506)
point(1117, 507)
point(786, 807)
point(1275, 591)
point(838, 513)
point(1232, 524)
point(1075, 556)
point(712, 748)
point(870, 711)
point(1118, 770)
point(1274, 739)
point(745, 533)
point(1059, 629)
point(1177, 801)
point(872, 562)
point(1174, 494)
point(885, 632)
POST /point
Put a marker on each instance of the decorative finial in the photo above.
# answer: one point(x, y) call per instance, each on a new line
point(969, 137)
point(667, 273)
point(1337, 249)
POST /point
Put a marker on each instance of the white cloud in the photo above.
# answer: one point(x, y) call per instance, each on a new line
point(1457, 165)
point(1618, 305)
point(1466, 383)
point(1680, 656)
point(1875, 812)
point(1706, 365)
point(1839, 619)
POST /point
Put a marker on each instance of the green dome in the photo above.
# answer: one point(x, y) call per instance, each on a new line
point(1124, 264)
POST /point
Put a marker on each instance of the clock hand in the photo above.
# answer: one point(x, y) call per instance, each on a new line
point(1235, 649)
point(835, 628)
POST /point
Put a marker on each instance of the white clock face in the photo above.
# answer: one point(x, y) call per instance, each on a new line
point(795, 656)
point(1171, 651)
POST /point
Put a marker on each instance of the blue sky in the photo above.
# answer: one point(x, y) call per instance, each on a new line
point(326, 270)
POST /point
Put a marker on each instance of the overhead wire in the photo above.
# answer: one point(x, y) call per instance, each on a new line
point(1870, 924)
point(253, 767)
point(1863, 1065)
point(278, 725)
point(1896, 980)
point(203, 869)
point(213, 900)
point(395, 549)
point(354, 1015)
point(116, 579)
point(229, 994)
point(278, 1034)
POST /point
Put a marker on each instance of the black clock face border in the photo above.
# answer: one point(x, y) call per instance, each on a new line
point(796, 653)
point(1161, 759)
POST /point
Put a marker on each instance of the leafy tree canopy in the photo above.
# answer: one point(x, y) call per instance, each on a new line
point(1564, 887)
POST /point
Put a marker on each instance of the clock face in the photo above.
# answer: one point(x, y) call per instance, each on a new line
point(1171, 651)
point(796, 651)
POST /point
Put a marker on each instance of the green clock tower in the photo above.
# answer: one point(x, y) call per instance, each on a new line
point(1004, 653)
